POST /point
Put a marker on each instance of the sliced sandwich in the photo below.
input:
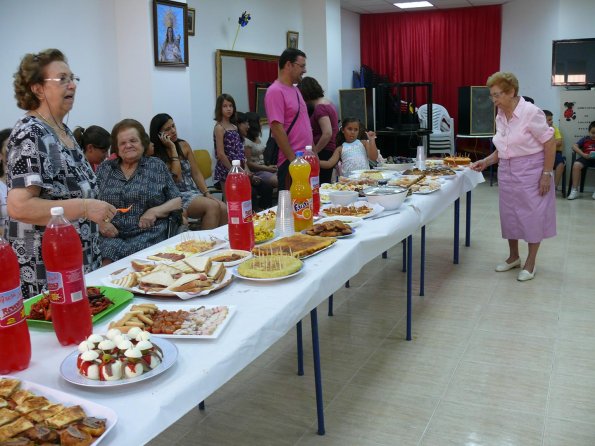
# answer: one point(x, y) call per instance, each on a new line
point(216, 272)
point(191, 283)
point(199, 264)
point(155, 281)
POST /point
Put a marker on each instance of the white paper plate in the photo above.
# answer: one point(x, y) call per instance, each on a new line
point(395, 167)
point(272, 279)
point(184, 296)
point(246, 254)
point(185, 307)
point(69, 370)
point(335, 236)
point(56, 396)
point(172, 248)
point(376, 209)
point(354, 222)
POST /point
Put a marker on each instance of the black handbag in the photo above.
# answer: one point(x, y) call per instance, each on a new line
point(271, 150)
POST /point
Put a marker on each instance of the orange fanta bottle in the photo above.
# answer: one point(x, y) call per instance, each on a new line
point(301, 192)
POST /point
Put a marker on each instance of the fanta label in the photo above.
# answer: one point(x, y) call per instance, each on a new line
point(302, 208)
point(239, 212)
point(66, 287)
point(11, 307)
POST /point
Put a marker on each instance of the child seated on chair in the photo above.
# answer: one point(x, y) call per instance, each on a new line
point(352, 150)
point(560, 162)
point(585, 148)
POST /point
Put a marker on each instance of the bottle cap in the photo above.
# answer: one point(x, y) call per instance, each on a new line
point(236, 162)
point(309, 148)
point(57, 211)
point(300, 153)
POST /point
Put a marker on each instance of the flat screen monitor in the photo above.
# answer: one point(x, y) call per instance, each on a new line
point(573, 62)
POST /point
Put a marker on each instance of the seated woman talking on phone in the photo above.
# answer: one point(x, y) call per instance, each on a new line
point(197, 202)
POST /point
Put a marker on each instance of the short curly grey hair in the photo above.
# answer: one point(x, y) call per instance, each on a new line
point(506, 81)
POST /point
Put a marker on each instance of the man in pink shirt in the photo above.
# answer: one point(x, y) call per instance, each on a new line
point(287, 113)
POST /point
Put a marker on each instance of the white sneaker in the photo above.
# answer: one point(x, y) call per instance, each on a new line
point(573, 194)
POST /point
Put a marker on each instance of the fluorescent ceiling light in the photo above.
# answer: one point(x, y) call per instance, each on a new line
point(409, 5)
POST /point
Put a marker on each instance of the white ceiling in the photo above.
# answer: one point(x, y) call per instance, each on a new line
point(384, 6)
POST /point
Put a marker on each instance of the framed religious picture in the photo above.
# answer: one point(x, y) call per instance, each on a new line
point(170, 33)
point(292, 39)
point(191, 21)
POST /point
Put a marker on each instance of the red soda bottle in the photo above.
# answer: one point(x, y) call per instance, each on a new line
point(62, 254)
point(238, 193)
point(312, 158)
point(15, 344)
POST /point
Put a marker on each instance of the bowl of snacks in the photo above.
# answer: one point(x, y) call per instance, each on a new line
point(342, 197)
point(388, 197)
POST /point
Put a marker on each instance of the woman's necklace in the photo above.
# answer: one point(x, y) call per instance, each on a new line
point(55, 127)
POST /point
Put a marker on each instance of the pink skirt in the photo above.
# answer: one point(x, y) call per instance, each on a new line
point(524, 214)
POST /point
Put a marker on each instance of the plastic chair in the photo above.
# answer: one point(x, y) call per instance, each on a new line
point(205, 165)
point(442, 139)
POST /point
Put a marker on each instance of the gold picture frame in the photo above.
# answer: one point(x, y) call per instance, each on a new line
point(191, 21)
point(293, 38)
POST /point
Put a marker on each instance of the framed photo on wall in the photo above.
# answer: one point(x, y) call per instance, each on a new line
point(191, 21)
point(292, 39)
point(170, 33)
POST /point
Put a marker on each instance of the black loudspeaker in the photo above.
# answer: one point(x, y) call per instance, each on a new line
point(476, 111)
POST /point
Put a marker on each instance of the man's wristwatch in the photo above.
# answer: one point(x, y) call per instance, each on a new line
point(548, 172)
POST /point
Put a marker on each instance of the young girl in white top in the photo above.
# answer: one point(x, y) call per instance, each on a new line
point(354, 153)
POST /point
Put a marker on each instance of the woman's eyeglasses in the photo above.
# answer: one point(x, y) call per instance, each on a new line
point(496, 95)
point(65, 80)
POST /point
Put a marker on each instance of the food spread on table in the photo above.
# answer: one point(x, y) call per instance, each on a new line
point(27, 419)
point(270, 266)
point(186, 248)
point(117, 355)
point(297, 245)
point(41, 310)
point(194, 321)
point(457, 160)
point(194, 275)
point(264, 226)
point(333, 228)
point(353, 211)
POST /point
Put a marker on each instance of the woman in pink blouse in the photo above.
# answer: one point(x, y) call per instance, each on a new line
point(525, 151)
point(324, 121)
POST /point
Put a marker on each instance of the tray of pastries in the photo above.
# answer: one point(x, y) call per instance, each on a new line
point(33, 414)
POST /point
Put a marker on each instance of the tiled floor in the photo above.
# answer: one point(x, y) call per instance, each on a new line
point(493, 361)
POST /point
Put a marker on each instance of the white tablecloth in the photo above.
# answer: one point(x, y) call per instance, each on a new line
point(265, 312)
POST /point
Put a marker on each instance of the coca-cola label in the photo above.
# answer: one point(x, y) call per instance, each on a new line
point(239, 212)
point(314, 183)
point(11, 308)
point(67, 286)
point(302, 208)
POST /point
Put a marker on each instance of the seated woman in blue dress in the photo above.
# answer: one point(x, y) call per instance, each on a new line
point(138, 180)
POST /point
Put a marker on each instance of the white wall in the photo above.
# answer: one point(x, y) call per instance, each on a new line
point(83, 31)
point(528, 29)
point(350, 43)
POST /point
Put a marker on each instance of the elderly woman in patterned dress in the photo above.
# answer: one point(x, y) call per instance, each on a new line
point(525, 153)
point(47, 168)
point(142, 182)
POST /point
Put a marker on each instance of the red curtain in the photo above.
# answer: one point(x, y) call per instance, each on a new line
point(450, 48)
point(257, 72)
